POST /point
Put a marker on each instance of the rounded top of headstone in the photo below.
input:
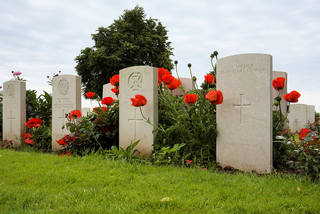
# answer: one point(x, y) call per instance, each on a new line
point(67, 76)
point(137, 67)
point(246, 55)
point(15, 80)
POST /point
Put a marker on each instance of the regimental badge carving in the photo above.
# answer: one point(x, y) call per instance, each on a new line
point(63, 86)
point(10, 90)
point(135, 81)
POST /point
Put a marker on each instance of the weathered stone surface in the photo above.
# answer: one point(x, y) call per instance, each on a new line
point(300, 115)
point(186, 83)
point(14, 110)
point(135, 80)
point(244, 120)
point(85, 111)
point(66, 96)
point(107, 91)
point(311, 113)
point(283, 91)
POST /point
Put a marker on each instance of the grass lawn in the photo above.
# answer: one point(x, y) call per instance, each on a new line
point(43, 183)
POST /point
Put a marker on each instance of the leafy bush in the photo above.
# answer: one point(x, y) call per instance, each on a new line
point(190, 124)
point(39, 106)
point(97, 130)
point(38, 135)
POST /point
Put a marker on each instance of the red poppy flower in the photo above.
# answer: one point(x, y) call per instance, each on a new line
point(61, 142)
point(292, 97)
point(115, 90)
point(188, 162)
point(90, 94)
point(33, 122)
point(190, 98)
point(174, 84)
point(209, 78)
point(97, 109)
point(161, 73)
point(29, 141)
point(26, 135)
point(167, 78)
point(215, 97)
point(303, 133)
point(278, 83)
point(107, 101)
point(75, 114)
point(114, 80)
point(138, 100)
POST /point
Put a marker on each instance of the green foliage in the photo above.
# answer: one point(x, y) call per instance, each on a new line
point(97, 130)
point(308, 160)
point(39, 106)
point(131, 40)
point(42, 138)
point(168, 155)
point(193, 125)
point(282, 152)
point(129, 154)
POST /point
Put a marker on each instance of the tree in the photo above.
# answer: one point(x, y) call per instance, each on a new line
point(130, 40)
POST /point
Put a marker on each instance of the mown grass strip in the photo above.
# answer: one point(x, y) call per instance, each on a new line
point(43, 183)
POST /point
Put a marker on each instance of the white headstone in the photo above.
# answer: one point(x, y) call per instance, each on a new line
point(66, 96)
point(186, 83)
point(107, 91)
point(244, 120)
point(300, 115)
point(135, 80)
point(85, 111)
point(311, 113)
point(283, 91)
point(14, 110)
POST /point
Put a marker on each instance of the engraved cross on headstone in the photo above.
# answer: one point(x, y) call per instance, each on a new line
point(241, 105)
point(63, 117)
point(11, 118)
point(135, 119)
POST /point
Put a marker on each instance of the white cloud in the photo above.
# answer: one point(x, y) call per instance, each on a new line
point(40, 37)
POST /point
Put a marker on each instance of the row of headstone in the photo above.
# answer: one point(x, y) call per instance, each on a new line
point(300, 116)
point(244, 119)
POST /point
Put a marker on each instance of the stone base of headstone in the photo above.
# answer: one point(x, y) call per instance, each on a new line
point(14, 110)
point(66, 96)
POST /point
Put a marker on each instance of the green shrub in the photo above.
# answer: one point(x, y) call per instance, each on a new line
point(98, 130)
point(39, 106)
point(191, 125)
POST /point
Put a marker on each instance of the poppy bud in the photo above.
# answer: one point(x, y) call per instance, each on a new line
point(189, 65)
point(194, 78)
point(215, 53)
point(212, 55)
point(175, 62)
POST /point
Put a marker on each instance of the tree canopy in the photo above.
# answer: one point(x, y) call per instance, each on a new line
point(130, 40)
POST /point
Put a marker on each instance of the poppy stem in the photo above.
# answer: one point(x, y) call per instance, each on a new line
point(181, 86)
point(193, 83)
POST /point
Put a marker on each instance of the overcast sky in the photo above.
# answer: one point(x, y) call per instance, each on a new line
point(40, 37)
